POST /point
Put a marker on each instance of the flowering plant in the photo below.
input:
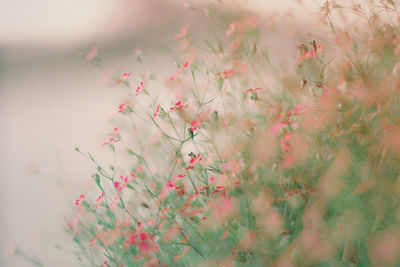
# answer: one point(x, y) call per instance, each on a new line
point(232, 161)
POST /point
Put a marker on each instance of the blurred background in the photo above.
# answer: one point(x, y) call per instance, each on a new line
point(52, 100)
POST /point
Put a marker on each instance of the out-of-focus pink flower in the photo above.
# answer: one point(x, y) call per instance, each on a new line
point(227, 73)
point(253, 90)
point(121, 108)
point(75, 219)
point(182, 32)
point(227, 165)
point(196, 124)
point(230, 29)
point(11, 248)
point(92, 53)
point(113, 137)
point(179, 71)
point(277, 127)
point(124, 77)
point(306, 55)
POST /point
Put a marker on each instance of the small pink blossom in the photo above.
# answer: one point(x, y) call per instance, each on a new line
point(227, 73)
point(156, 112)
point(139, 88)
point(10, 249)
point(124, 77)
point(277, 127)
point(194, 161)
point(75, 219)
point(227, 165)
point(218, 189)
point(306, 55)
point(92, 53)
point(98, 200)
point(196, 124)
point(113, 137)
point(182, 32)
point(179, 105)
point(121, 108)
point(78, 202)
point(230, 29)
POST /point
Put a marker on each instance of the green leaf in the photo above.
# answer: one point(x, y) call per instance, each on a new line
point(221, 83)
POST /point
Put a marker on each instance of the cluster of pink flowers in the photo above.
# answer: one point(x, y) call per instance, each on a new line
point(310, 54)
point(157, 111)
point(122, 184)
point(179, 71)
point(124, 77)
point(113, 137)
point(139, 88)
point(78, 202)
point(194, 161)
point(179, 105)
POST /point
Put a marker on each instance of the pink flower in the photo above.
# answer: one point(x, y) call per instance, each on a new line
point(121, 185)
point(156, 112)
point(182, 32)
point(195, 124)
point(75, 219)
point(227, 73)
point(231, 28)
point(194, 161)
point(121, 108)
point(92, 53)
point(227, 165)
point(113, 137)
point(78, 202)
point(277, 127)
point(124, 77)
point(218, 189)
point(139, 88)
point(179, 105)
point(253, 90)
point(11, 248)
point(98, 200)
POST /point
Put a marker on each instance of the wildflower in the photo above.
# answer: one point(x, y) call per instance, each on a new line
point(195, 124)
point(227, 73)
point(139, 88)
point(124, 77)
point(231, 28)
point(227, 165)
point(114, 202)
point(250, 90)
point(92, 53)
point(78, 202)
point(75, 219)
point(121, 185)
point(121, 108)
point(194, 161)
point(11, 249)
point(157, 111)
point(318, 49)
point(182, 32)
point(113, 137)
point(180, 71)
point(98, 200)
point(179, 105)
point(218, 189)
